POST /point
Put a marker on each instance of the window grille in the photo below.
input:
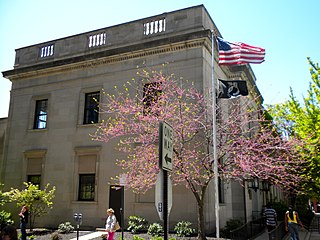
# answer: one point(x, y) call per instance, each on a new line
point(86, 187)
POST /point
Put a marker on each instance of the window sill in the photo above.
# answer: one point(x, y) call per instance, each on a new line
point(38, 130)
point(84, 202)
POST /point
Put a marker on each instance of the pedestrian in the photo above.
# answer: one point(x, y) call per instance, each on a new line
point(270, 216)
point(9, 232)
point(110, 223)
point(292, 221)
point(24, 215)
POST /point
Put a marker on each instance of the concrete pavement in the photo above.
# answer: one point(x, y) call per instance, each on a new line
point(303, 235)
point(89, 236)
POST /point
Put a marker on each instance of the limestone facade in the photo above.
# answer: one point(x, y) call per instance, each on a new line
point(49, 124)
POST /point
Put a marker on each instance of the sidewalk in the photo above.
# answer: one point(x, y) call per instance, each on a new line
point(313, 236)
point(303, 235)
point(89, 236)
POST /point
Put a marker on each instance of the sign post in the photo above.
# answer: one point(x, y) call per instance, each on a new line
point(165, 164)
point(159, 195)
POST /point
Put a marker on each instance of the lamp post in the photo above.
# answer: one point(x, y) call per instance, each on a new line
point(254, 184)
point(265, 186)
point(266, 189)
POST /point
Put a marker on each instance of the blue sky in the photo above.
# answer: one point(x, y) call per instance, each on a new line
point(287, 29)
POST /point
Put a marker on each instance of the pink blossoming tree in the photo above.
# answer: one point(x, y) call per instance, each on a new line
point(132, 115)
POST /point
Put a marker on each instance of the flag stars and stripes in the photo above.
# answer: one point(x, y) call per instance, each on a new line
point(239, 53)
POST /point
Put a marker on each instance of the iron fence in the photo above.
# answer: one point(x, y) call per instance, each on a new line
point(278, 233)
point(248, 230)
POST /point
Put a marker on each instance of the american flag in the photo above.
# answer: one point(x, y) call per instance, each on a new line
point(239, 53)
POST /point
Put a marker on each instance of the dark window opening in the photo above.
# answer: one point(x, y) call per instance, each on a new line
point(91, 108)
point(41, 114)
point(86, 187)
point(151, 97)
point(34, 179)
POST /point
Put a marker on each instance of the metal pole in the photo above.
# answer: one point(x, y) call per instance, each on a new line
point(165, 205)
point(77, 231)
point(122, 211)
point(214, 137)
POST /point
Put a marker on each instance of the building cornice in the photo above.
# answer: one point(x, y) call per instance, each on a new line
point(156, 47)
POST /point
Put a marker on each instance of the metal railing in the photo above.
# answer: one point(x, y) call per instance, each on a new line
point(248, 230)
point(278, 233)
point(315, 223)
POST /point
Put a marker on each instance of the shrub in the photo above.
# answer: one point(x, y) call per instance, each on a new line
point(183, 229)
point(232, 224)
point(155, 230)
point(65, 227)
point(157, 238)
point(137, 224)
point(5, 219)
point(137, 238)
point(280, 208)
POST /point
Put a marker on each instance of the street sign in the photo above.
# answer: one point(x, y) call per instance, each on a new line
point(159, 201)
point(166, 141)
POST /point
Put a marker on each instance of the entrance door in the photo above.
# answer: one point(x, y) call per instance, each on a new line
point(116, 202)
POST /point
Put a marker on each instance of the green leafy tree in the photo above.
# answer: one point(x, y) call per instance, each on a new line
point(5, 217)
point(302, 119)
point(38, 201)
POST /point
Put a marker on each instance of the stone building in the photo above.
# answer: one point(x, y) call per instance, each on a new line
point(46, 138)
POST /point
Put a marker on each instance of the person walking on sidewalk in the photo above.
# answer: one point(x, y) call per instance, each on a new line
point(270, 216)
point(111, 221)
point(292, 221)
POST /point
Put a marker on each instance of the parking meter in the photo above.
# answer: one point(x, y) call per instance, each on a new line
point(78, 218)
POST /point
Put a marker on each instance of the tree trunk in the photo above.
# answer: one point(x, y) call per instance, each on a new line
point(200, 198)
point(201, 230)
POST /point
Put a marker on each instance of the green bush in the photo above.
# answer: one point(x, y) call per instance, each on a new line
point(137, 238)
point(302, 207)
point(65, 227)
point(137, 224)
point(183, 229)
point(5, 218)
point(155, 230)
point(232, 224)
point(280, 208)
point(157, 238)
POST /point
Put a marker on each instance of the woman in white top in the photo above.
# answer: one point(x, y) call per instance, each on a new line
point(111, 221)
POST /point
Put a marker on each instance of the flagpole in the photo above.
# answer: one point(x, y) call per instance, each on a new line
point(214, 137)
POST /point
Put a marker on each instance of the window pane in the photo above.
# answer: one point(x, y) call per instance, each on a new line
point(86, 187)
point(34, 179)
point(151, 96)
point(91, 109)
point(41, 113)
